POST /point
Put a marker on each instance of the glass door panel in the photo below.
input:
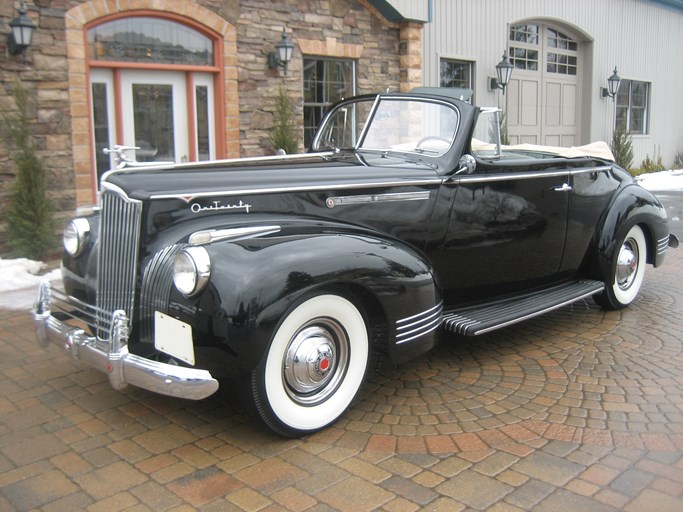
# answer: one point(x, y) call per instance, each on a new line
point(153, 122)
point(154, 113)
point(103, 119)
point(204, 118)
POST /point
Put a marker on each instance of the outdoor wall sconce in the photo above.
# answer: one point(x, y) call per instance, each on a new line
point(22, 32)
point(282, 54)
point(503, 73)
point(613, 84)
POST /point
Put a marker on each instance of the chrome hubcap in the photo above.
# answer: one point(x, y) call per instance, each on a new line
point(627, 264)
point(315, 362)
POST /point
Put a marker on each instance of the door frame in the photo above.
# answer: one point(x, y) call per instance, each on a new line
point(542, 78)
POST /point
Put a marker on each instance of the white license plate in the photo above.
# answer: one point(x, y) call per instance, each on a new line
point(173, 337)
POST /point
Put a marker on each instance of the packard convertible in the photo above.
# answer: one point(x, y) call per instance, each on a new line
point(286, 274)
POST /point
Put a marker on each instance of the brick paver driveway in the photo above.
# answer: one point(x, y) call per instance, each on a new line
point(578, 410)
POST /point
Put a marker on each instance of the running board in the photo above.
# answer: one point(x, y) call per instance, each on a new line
point(482, 318)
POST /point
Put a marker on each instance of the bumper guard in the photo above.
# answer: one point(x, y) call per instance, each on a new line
point(113, 358)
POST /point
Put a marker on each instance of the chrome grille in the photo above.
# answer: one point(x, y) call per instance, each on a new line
point(157, 282)
point(117, 259)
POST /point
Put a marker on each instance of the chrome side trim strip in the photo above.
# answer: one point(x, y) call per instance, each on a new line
point(662, 245)
point(415, 326)
point(527, 175)
point(213, 163)
point(331, 202)
point(311, 188)
point(214, 235)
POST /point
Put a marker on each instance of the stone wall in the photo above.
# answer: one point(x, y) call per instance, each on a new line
point(338, 28)
point(326, 28)
point(44, 77)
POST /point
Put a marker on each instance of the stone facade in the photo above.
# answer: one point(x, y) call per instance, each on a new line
point(54, 73)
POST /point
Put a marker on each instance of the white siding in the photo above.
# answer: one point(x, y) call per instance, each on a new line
point(417, 10)
point(642, 38)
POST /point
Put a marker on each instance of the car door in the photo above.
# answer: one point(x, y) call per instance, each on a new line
point(506, 229)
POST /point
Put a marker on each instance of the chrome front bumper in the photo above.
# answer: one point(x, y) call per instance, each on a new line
point(113, 358)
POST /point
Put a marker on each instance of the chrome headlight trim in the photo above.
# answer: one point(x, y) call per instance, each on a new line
point(76, 234)
point(191, 270)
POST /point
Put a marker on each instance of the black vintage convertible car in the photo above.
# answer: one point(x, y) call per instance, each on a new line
point(285, 274)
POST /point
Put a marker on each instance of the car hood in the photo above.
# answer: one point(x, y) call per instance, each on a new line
point(314, 171)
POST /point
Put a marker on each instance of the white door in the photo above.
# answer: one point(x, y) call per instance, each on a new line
point(154, 115)
point(155, 110)
point(542, 97)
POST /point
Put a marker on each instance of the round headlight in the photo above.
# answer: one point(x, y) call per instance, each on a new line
point(76, 235)
point(191, 270)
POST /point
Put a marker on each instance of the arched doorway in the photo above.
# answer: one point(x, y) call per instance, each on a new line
point(152, 87)
point(544, 97)
point(221, 81)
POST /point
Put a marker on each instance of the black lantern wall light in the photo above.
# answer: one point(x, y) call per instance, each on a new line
point(613, 84)
point(21, 34)
point(282, 54)
point(503, 73)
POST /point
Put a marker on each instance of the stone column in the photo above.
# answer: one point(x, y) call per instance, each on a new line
point(410, 52)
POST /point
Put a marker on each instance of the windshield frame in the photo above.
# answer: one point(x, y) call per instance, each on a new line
point(377, 100)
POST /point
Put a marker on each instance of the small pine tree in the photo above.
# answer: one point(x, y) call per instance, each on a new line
point(283, 134)
point(622, 148)
point(30, 221)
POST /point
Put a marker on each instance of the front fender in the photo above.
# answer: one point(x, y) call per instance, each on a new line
point(632, 205)
point(256, 281)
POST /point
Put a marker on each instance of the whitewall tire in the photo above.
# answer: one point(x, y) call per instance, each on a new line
point(314, 366)
point(627, 270)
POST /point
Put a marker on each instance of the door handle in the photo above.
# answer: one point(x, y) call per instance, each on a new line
point(565, 187)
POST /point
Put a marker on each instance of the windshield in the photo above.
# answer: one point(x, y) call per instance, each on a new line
point(486, 137)
point(391, 124)
point(344, 126)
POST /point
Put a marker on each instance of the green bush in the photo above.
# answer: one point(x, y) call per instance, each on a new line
point(29, 215)
point(621, 146)
point(678, 160)
point(653, 164)
point(283, 135)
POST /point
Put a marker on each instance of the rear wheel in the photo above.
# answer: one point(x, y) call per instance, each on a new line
point(314, 366)
point(625, 277)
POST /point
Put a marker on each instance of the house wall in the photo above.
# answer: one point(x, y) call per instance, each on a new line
point(642, 38)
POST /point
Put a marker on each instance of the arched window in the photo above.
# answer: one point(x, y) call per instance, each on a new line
point(152, 86)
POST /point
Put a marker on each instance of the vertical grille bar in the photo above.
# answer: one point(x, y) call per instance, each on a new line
point(157, 282)
point(117, 259)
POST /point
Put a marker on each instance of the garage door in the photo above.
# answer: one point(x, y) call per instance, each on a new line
point(542, 103)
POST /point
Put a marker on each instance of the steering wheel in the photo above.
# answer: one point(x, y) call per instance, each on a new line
point(429, 138)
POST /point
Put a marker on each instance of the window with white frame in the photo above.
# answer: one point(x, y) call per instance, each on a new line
point(633, 106)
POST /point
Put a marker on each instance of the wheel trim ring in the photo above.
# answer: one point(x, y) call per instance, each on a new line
point(627, 264)
point(301, 366)
point(308, 418)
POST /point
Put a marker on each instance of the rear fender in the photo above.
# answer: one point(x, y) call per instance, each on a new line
point(633, 205)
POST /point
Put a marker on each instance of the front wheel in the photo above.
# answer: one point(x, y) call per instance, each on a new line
point(314, 366)
point(626, 272)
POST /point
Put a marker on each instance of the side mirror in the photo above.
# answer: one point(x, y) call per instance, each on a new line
point(466, 165)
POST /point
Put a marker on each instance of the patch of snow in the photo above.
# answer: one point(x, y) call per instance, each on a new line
point(19, 282)
point(662, 181)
